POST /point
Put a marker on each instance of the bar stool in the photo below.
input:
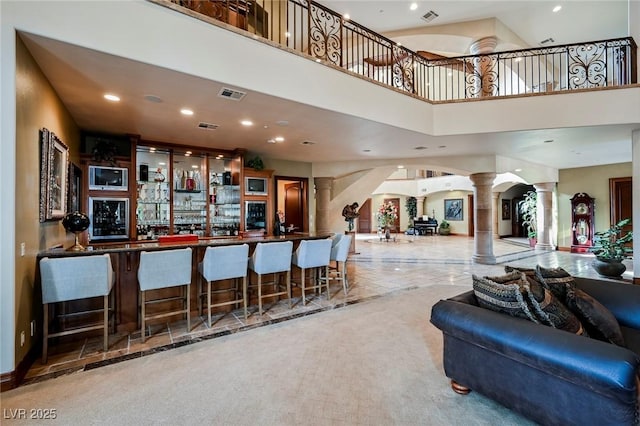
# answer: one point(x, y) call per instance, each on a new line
point(222, 263)
point(72, 278)
point(339, 254)
point(314, 255)
point(165, 269)
point(272, 258)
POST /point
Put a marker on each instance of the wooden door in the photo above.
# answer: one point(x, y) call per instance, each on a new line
point(621, 197)
point(293, 205)
point(471, 214)
point(364, 220)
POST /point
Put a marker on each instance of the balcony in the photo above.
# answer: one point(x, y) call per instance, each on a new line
point(322, 35)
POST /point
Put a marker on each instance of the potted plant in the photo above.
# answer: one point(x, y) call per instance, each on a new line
point(610, 248)
point(529, 214)
point(411, 204)
point(444, 228)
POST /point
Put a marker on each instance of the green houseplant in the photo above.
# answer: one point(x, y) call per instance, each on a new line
point(444, 228)
point(529, 213)
point(611, 248)
point(411, 205)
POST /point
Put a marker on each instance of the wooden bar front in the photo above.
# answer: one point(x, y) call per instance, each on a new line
point(125, 258)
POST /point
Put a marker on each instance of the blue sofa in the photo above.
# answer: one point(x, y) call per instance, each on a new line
point(548, 375)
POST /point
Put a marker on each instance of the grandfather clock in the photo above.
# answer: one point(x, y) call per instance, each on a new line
point(582, 221)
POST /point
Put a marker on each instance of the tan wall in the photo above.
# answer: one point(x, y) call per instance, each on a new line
point(38, 106)
point(435, 202)
point(595, 182)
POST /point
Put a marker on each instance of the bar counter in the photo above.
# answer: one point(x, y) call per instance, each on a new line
point(125, 257)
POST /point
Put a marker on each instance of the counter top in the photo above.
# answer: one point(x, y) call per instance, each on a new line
point(155, 245)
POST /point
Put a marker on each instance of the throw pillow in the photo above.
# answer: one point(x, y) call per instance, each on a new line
point(555, 279)
point(504, 294)
point(547, 307)
point(597, 319)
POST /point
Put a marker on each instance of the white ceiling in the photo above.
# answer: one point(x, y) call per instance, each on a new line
point(74, 72)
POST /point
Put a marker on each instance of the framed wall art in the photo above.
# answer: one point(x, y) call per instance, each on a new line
point(506, 209)
point(75, 189)
point(54, 158)
point(453, 209)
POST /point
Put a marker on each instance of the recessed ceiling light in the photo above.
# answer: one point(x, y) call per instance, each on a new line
point(518, 170)
point(413, 6)
point(111, 97)
point(246, 123)
point(279, 139)
point(346, 16)
point(401, 166)
point(557, 8)
point(271, 141)
point(186, 111)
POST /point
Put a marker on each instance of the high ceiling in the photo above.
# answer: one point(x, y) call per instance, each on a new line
point(75, 72)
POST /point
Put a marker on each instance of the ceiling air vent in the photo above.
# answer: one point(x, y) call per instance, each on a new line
point(429, 16)
point(208, 126)
point(234, 95)
point(307, 143)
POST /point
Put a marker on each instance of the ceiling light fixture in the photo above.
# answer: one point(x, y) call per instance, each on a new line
point(186, 111)
point(279, 139)
point(413, 6)
point(346, 16)
point(111, 97)
point(518, 170)
point(401, 166)
point(271, 141)
point(557, 8)
point(246, 123)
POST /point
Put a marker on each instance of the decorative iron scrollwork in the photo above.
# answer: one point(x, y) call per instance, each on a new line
point(324, 34)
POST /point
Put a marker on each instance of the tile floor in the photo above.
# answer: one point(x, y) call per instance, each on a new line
point(377, 268)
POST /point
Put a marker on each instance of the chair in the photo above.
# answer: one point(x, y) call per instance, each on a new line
point(336, 239)
point(314, 255)
point(164, 269)
point(222, 263)
point(271, 258)
point(73, 278)
point(339, 254)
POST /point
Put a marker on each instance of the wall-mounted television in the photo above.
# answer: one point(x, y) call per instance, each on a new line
point(255, 186)
point(108, 178)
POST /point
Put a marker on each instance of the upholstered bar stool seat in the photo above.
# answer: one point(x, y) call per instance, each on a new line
point(165, 269)
point(314, 255)
point(223, 263)
point(339, 255)
point(73, 278)
point(272, 258)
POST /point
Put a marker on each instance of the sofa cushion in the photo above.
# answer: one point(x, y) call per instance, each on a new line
point(504, 294)
point(550, 311)
point(596, 318)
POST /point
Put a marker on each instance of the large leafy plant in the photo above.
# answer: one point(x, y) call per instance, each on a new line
point(529, 212)
point(611, 244)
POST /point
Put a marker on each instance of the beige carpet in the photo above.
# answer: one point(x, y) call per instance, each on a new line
point(378, 362)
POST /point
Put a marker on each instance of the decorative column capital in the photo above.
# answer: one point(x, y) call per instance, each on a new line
point(482, 179)
point(544, 186)
point(323, 182)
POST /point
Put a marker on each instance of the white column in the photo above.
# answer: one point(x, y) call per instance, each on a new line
point(483, 237)
point(483, 66)
point(495, 196)
point(544, 215)
point(420, 206)
point(323, 199)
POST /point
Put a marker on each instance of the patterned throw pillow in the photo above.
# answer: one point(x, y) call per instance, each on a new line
point(546, 307)
point(555, 279)
point(504, 294)
point(597, 319)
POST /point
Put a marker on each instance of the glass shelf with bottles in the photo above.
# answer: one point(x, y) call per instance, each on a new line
point(189, 197)
point(153, 210)
point(224, 199)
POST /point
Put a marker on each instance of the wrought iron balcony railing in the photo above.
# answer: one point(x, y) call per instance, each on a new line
point(316, 31)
